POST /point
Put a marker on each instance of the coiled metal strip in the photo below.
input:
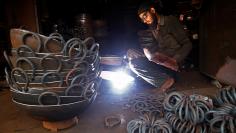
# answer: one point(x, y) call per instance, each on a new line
point(184, 126)
point(222, 119)
point(226, 95)
point(172, 100)
point(187, 108)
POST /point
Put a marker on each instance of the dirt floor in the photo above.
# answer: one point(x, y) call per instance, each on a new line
point(107, 103)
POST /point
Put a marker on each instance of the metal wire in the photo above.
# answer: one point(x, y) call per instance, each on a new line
point(145, 103)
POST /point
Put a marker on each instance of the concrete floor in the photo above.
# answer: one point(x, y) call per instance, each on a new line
point(15, 120)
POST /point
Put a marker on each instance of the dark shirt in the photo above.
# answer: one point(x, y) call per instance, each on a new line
point(172, 39)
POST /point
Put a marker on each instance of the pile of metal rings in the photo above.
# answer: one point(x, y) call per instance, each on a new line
point(150, 109)
point(55, 80)
point(222, 118)
point(148, 123)
point(186, 113)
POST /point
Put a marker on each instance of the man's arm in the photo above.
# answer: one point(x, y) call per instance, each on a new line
point(177, 31)
point(150, 46)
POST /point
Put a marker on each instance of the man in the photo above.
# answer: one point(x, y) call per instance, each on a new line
point(165, 46)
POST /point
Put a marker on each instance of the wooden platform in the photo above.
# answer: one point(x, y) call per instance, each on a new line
point(58, 125)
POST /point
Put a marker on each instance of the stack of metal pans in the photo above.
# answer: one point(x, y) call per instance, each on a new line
point(51, 78)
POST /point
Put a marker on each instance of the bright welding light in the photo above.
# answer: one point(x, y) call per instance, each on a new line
point(120, 80)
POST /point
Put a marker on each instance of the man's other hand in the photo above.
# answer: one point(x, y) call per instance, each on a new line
point(161, 59)
point(133, 54)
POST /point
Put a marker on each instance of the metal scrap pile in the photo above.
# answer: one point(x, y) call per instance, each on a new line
point(188, 114)
point(222, 117)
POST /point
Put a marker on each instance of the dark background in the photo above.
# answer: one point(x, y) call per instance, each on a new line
point(120, 16)
point(119, 19)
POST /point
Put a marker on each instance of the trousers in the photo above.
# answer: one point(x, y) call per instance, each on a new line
point(151, 72)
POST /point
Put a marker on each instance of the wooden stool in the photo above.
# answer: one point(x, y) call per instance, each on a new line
point(57, 125)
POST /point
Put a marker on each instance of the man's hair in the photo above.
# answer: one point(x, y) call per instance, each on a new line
point(164, 7)
point(145, 6)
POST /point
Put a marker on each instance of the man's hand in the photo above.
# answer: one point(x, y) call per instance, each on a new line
point(133, 54)
point(171, 63)
point(161, 59)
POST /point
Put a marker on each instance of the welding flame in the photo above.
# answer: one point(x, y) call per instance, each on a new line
point(119, 79)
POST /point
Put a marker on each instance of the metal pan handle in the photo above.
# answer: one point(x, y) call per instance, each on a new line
point(82, 51)
point(94, 48)
point(89, 41)
point(89, 87)
point(43, 80)
point(79, 79)
point(57, 35)
point(23, 59)
point(73, 71)
point(53, 57)
point(44, 94)
point(56, 38)
point(69, 43)
point(19, 49)
point(14, 80)
point(74, 87)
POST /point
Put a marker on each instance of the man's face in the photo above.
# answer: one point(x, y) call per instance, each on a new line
point(147, 17)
